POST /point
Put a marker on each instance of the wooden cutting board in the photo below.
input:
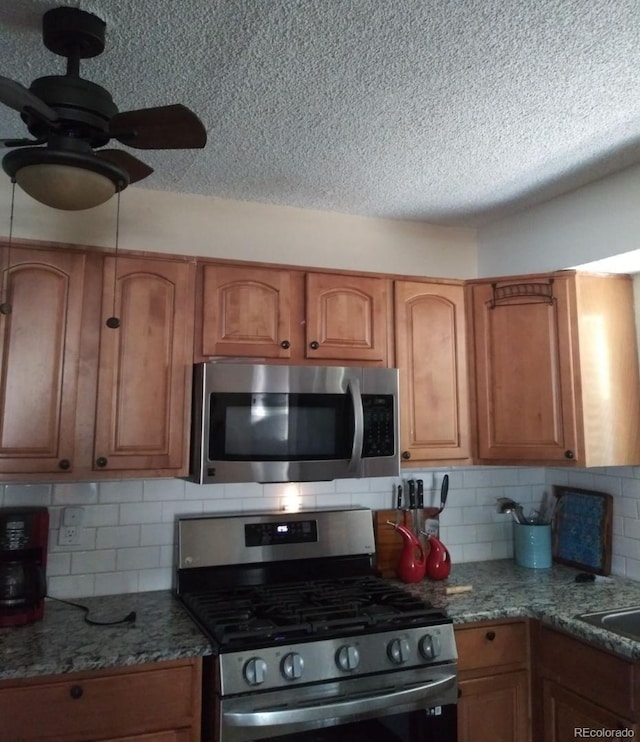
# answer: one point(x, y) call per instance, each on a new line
point(582, 529)
point(388, 541)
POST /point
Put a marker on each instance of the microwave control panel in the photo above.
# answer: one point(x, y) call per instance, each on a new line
point(379, 438)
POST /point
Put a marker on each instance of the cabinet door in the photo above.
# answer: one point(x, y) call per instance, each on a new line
point(431, 357)
point(524, 359)
point(347, 317)
point(144, 377)
point(246, 312)
point(494, 708)
point(565, 712)
point(39, 344)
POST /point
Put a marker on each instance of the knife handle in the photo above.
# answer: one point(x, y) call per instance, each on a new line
point(420, 494)
point(399, 498)
point(412, 494)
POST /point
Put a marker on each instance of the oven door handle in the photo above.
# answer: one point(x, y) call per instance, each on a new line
point(353, 387)
point(343, 709)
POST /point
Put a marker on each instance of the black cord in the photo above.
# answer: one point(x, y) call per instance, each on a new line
point(129, 618)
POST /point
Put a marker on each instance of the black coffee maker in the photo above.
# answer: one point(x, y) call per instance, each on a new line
point(23, 558)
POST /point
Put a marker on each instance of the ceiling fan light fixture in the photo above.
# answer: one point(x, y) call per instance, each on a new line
point(70, 181)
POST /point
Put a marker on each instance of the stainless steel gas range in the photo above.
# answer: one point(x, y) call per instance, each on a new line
point(311, 645)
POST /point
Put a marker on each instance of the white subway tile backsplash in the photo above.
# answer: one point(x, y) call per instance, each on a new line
point(127, 491)
point(128, 536)
point(142, 557)
point(71, 586)
point(157, 534)
point(39, 495)
point(147, 512)
point(114, 583)
point(86, 562)
point(118, 537)
point(163, 489)
point(76, 493)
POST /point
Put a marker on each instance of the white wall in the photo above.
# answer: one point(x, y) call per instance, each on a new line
point(158, 221)
point(127, 541)
point(592, 222)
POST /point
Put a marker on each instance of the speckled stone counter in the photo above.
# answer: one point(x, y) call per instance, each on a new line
point(503, 590)
point(62, 642)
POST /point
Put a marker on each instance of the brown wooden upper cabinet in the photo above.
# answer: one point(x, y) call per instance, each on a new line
point(295, 316)
point(80, 400)
point(42, 295)
point(347, 317)
point(556, 370)
point(430, 339)
point(144, 379)
point(246, 312)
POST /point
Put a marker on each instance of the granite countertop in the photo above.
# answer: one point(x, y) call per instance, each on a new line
point(62, 642)
point(501, 589)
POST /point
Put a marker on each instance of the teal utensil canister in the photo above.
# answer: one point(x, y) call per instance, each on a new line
point(532, 545)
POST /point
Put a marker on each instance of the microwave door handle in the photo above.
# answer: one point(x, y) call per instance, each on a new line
point(353, 388)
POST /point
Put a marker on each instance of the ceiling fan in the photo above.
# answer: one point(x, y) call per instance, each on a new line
point(70, 119)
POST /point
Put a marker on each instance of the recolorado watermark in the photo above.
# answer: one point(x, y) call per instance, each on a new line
point(588, 733)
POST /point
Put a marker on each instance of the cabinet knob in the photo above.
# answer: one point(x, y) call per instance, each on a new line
point(64, 464)
point(406, 455)
point(113, 323)
point(76, 691)
point(569, 454)
point(491, 635)
point(314, 345)
point(101, 461)
point(285, 344)
point(5, 308)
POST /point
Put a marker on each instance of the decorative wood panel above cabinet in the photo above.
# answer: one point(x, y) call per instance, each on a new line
point(556, 370)
point(42, 295)
point(430, 339)
point(144, 378)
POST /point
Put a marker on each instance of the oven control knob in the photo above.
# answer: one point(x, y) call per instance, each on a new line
point(255, 671)
point(398, 651)
point(430, 646)
point(292, 666)
point(348, 657)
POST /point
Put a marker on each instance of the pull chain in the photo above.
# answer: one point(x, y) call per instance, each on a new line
point(5, 307)
point(114, 322)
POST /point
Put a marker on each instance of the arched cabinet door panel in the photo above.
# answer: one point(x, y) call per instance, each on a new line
point(347, 317)
point(245, 312)
point(42, 295)
point(144, 375)
point(431, 356)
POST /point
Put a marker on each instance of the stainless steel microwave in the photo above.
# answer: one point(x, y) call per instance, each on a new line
point(260, 423)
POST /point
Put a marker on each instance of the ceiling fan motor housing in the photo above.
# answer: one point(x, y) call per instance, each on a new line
point(85, 108)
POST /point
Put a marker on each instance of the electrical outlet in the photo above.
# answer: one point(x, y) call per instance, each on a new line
point(69, 535)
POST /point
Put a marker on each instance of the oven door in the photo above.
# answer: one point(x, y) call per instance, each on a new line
point(409, 706)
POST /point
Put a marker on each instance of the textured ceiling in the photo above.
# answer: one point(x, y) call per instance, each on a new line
point(447, 111)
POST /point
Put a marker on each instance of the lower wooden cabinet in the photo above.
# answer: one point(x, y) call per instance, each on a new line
point(566, 715)
point(159, 702)
point(578, 686)
point(493, 666)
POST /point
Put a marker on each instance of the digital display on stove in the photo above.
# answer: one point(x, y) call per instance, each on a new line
point(283, 532)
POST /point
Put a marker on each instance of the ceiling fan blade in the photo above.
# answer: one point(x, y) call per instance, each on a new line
point(21, 142)
point(165, 127)
point(16, 96)
point(136, 168)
